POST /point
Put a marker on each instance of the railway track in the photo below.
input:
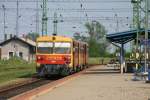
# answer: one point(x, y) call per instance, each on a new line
point(17, 89)
point(14, 90)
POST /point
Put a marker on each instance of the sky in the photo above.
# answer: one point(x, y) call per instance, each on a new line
point(107, 12)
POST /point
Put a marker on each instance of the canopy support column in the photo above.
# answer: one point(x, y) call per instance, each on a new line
point(122, 58)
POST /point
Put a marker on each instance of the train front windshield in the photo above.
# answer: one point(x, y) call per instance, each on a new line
point(62, 48)
point(45, 48)
point(54, 47)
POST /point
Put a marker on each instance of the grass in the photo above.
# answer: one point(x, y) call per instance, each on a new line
point(98, 60)
point(15, 68)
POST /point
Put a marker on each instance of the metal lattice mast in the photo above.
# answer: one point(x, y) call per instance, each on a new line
point(136, 19)
point(44, 18)
point(37, 16)
point(55, 23)
point(146, 32)
point(17, 19)
point(136, 25)
point(136, 14)
point(4, 24)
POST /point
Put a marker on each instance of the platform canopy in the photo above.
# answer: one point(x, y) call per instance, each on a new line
point(124, 37)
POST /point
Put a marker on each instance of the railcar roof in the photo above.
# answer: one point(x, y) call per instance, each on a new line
point(57, 39)
point(54, 38)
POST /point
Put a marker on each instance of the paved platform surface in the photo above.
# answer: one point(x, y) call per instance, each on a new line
point(100, 83)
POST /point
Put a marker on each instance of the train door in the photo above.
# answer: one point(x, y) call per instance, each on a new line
point(84, 54)
point(75, 54)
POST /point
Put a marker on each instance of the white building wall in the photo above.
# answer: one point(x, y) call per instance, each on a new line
point(16, 47)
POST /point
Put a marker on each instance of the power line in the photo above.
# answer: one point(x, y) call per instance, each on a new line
point(76, 10)
point(71, 1)
point(92, 18)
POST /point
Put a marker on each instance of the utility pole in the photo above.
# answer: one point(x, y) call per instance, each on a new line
point(17, 17)
point(4, 24)
point(55, 23)
point(146, 32)
point(37, 16)
point(44, 18)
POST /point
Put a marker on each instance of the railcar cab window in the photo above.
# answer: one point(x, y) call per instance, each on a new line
point(62, 48)
point(45, 47)
point(54, 47)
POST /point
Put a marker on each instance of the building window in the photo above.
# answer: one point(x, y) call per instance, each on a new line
point(20, 54)
point(11, 54)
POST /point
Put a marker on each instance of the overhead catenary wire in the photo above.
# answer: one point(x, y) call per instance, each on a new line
point(70, 1)
point(105, 18)
point(75, 10)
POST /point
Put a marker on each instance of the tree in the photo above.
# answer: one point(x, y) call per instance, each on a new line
point(95, 30)
point(32, 36)
point(77, 36)
point(94, 48)
point(97, 41)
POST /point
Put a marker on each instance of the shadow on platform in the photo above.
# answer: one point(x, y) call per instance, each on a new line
point(102, 71)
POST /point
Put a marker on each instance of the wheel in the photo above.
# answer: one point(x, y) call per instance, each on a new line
point(74, 70)
point(42, 71)
point(78, 69)
point(65, 71)
point(83, 67)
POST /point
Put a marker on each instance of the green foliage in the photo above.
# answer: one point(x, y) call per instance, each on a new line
point(32, 36)
point(97, 41)
point(94, 48)
point(15, 68)
point(127, 54)
point(99, 60)
point(96, 30)
point(77, 36)
point(107, 54)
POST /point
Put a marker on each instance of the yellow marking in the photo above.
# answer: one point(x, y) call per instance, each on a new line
point(57, 39)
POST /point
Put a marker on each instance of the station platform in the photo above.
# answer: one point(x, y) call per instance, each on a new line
point(100, 83)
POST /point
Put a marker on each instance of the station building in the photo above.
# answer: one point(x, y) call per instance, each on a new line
point(20, 47)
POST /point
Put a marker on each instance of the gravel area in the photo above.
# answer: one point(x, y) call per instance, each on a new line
point(100, 83)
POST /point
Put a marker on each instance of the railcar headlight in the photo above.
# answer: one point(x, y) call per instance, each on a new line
point(38, 57)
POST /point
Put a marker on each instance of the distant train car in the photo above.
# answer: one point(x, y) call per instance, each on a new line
point(59, 55)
